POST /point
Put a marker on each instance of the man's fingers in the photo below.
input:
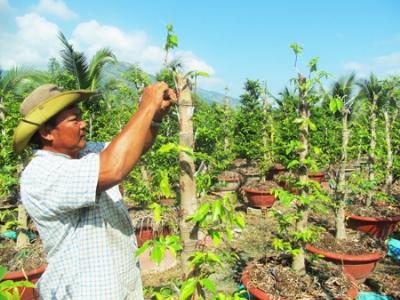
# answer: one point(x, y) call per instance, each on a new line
point(169, 94)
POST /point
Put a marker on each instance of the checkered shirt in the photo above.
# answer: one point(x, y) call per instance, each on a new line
point(88, 237)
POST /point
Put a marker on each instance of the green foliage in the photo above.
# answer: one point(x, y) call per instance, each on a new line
point(247, 129)
point(171, 40)
point(9, 288)
point(218, 217)
point(159, 247)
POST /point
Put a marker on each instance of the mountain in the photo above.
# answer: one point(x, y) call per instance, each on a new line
point(114, 72)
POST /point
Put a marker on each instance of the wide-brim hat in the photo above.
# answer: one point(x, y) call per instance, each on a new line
point(42, 104)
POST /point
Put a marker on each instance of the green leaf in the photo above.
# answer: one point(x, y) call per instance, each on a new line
point(313, 64)
point(240, 221)
point(188, 288)
point(298, 121)
point(312, 126)
point(339, 104)
point(201, 213)
point(208, 284)
point(165, 187)
point(216, 237)
point(296, 48)
point(216, 210)
point(3, 271)
point(156, 211)
point(332, 105)
point(142, 249)
point(157, 254)
point(293, 163)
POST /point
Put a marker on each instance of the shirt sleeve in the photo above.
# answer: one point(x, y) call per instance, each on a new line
point(61, 185)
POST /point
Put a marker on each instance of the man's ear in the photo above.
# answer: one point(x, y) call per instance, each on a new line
point(45, 133)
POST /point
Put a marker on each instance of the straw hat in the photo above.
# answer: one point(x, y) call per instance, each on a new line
point(43, 103)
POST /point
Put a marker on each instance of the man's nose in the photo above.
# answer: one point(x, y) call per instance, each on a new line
point(83, 124)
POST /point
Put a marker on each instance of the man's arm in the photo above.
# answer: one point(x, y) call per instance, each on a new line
point(118, 159)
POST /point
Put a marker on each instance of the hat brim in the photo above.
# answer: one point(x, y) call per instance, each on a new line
point(43, 112)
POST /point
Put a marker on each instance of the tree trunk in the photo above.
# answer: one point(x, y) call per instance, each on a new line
point(22, 239)
point(189, 234)
point(342, 191)
point(226, 111)
point(145, 176)
point(389, 165)
point(265, 136)
point(302, 223)
point(372, 146)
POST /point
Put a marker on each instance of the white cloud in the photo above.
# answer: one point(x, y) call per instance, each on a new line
point(193, 63)
point(382, 66)
point(132, 47)
point(33, 43)
point(56, 8)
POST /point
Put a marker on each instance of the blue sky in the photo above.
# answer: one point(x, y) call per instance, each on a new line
point(231, 40)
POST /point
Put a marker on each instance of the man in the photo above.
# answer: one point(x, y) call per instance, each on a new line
point(70, 190)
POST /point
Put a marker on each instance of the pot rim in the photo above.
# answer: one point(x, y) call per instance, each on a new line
point(369, 257)
point(395, 218)
point(19, 275)
point(262, 192)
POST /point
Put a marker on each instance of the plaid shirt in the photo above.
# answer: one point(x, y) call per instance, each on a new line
point(88, 237)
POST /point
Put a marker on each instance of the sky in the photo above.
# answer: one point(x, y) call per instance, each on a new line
point(231, 40)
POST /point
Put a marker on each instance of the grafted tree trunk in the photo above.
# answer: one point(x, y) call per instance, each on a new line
point(226, 112)
point(372, 147)
point(22, 239)
point(389, 153)
point(340, 218)
point(302, 223)
point(189, 234)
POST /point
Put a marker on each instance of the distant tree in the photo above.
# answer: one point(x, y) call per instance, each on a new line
point(247, 131)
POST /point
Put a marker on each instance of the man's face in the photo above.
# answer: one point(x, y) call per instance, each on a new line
point(68, 134)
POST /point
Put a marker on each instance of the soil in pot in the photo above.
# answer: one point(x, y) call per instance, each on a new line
point(30, 261)
point(146, 228)
point(272, 278)
point(357, 255)
point(258, 193)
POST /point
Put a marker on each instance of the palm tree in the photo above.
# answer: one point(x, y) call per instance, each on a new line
point(371, 91)
point(343, 91)
point(87, 75)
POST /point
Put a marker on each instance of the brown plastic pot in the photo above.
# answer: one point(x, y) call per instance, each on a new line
point(258, 294)
point(147, 233)
point(228, 183)
point(358, 266)
point(316, 176)
point(168, 202)
point(378, 227)
point(261, 199)
point(33, 276)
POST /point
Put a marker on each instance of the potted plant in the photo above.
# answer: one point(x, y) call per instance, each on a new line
point(259, 193)
point(294, 230)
